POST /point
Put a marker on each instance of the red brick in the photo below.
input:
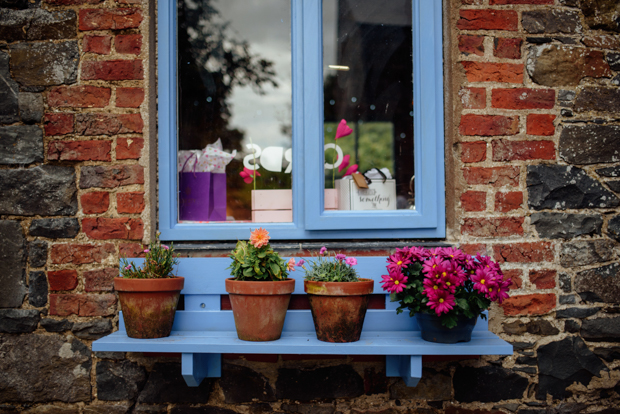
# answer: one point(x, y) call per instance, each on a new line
point(102, 228)
point(79, 97)
point(81, 253)
point(104, 176)
point(131, 250)
point(97, 305)
point(112, 70)
point(473, 98)
point(131, 203)
point(71, 2)
point(80, 150)
point(493, 72)
point(64, 305)
point(474, 201)
point(474, 248)
point(508, 48)
point(540, 124)
point(62, 279)
point(493, 227)
point(505, 202)
point(488, 20)
point(472, 2)
point(494, 2)
point(105, 19)
point(543, 279)
point(129, 97)
point(82, 305)
point(108, 124)
point(130, 44)
point(473, 151)
point(538, 304)
point(495, 176)
point(96, 202)
point(489, 125)
point(58, 124)
point(523, 98)
point(506, 150)
point(516, 276)
point(100, 280)
point(471, 45)
point(100, 45)
point(524, 252)
point(129, 148)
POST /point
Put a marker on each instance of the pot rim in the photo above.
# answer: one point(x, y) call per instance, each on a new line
point(362, 287)
point(267, 287)
point(175, 283)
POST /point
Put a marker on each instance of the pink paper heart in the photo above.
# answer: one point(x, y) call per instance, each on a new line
point(343, 129)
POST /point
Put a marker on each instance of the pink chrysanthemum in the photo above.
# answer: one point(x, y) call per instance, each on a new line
point(482, 279)
point(398, 260)
point(394, 282)
point(442, 302)
point(290, 265)
point(431, 265)
point(433, 285)
point(259, 238)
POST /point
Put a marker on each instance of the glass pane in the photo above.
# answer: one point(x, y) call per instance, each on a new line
point(234, 112)
point(368, 82)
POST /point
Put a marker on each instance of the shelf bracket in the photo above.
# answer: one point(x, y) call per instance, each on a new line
point(196, 367)
point(408, 367)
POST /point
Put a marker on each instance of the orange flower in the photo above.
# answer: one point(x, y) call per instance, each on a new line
point(259, 238)
point(290, 266)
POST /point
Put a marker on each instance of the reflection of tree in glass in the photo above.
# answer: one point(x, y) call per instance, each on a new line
point(211, 63)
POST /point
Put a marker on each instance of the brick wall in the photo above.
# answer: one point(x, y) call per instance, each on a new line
point(534, 142)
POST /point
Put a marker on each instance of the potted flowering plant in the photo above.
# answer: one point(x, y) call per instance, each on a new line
point(445, 288)
point(338, 297)
point(149, 294)
point(259, 289)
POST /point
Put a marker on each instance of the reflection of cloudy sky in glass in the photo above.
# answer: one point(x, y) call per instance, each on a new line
point(266, 26)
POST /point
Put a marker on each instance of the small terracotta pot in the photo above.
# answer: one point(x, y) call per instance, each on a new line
point(148, 305)
point(259, 308)
point(339, 308)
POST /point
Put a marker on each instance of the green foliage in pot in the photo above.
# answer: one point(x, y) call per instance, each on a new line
point(159, 262)
point(330, 267)
point(257, 261)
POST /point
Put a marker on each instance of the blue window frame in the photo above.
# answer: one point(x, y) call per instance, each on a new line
point(310, 221)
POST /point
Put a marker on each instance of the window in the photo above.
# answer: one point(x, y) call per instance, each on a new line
point(272, 79)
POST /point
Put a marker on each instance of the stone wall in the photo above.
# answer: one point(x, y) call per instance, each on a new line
point(533, 167)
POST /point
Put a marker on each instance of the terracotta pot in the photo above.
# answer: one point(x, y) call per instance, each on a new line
point(259, 308)
point(148, 305)
point(339, 308)
point(432, 330)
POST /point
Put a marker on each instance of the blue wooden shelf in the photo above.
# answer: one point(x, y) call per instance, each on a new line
point(203, 332)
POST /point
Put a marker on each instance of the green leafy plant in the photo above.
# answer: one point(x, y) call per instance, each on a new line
point(257, 261)
point(330, 267)
point(159, 263)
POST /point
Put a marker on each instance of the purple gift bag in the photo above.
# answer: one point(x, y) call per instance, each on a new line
point(217, 203)
point(194, 195)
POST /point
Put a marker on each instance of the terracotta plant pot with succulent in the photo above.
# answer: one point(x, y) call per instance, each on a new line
point(445, 289)
point(259, 289)
point(338, 297)
point(149, 294)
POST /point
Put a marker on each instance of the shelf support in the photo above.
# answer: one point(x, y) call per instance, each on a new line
point(408, 367)
point(196, 367)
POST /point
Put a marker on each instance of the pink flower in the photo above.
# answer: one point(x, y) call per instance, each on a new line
point(432, 286)
point(351, 170)
point(323, 250)
point(146, 250)
point(163, 246)
point(482, 279)
point(127, 267)
point(300, 263)
point(394, 282)
point(345, 163)
point(340, 257)
point(431, 264)
point(343, 130)
point(351, 261)
point(442, 302)
point(290, 266)
point(398, 260)
point(248, 175)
